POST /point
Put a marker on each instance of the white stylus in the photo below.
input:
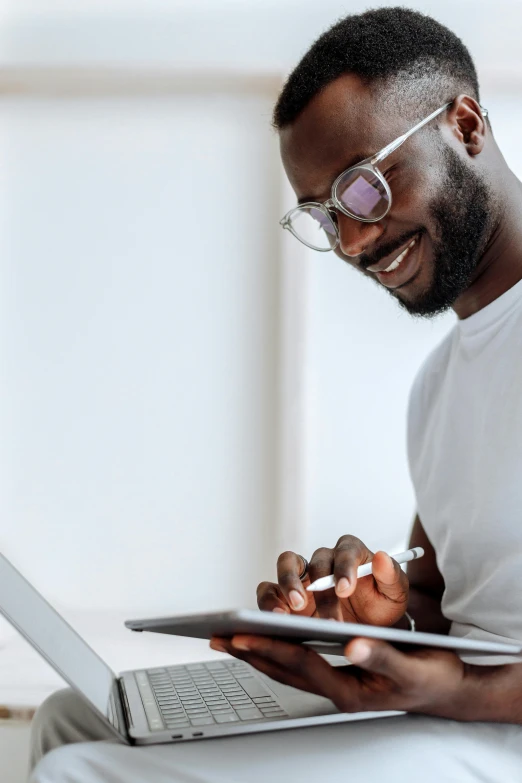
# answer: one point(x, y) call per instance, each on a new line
point(326, 582)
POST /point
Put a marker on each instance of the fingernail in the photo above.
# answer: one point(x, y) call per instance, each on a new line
point(278, 610)
point(240, 645)
point(296, 599)
point(360, 651)
point(342, 585)
point(217, 646)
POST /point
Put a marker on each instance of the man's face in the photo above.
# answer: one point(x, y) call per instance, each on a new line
point(438, 200)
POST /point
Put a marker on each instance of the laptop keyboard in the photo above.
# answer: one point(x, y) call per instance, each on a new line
point(205, 694)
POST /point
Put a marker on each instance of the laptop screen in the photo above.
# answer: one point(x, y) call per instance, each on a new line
point(54, 639)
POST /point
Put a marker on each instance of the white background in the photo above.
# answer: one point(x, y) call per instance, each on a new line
point(183, 392)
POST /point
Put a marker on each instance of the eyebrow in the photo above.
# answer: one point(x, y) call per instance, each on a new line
point(351, 162)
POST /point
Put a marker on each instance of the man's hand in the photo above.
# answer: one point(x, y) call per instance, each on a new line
point(434, 682)
point(378, 599)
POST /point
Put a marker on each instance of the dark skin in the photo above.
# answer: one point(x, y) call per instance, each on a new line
point(337, 129)
point(326, 138)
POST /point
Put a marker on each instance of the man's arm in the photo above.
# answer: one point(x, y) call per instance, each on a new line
point(428, 681)
point(423, 680)
point(426, 585)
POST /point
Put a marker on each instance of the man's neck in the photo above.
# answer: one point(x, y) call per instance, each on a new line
point(500, 267)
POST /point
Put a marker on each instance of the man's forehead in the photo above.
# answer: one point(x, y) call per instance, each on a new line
point(340, 125)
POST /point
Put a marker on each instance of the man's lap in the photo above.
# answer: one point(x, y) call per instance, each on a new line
point(403, 748)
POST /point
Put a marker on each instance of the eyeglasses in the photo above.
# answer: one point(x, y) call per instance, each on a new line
point(360, 192)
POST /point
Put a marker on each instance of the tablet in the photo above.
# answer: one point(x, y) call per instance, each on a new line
point(323, 636)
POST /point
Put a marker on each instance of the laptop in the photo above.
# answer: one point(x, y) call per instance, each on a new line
point(162, 704)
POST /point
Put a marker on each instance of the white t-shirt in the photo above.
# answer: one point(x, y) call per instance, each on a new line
point(465, 456)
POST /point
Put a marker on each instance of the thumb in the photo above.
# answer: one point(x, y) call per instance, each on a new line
point(380, 658)
point(390, 578)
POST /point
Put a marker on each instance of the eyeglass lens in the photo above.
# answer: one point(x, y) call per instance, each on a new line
point(313, 227)
point(362, 193)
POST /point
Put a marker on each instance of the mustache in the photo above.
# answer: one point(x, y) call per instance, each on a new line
point(366, 260)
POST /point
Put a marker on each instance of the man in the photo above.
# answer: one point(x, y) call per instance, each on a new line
point(435, 218)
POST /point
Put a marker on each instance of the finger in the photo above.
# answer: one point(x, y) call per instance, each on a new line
point(349, 554)
point(271, 599)
point(296, 662)
point(381, 658)
point(218, 644)
point(326, 601)
point(275, 672)
point(289, 567)
point(390, 579)
point(263, 664)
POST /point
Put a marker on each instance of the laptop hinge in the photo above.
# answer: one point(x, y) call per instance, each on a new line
point(125, 702)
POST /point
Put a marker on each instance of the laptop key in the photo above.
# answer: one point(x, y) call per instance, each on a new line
point(226, 717)
point(250, 714)
point(202, 721)
point(254, 687)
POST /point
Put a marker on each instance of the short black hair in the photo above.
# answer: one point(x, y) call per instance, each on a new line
point(381, 45)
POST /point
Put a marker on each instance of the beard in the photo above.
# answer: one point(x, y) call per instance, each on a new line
point(462, 215)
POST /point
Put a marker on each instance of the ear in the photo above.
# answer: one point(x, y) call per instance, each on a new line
point(468, 123)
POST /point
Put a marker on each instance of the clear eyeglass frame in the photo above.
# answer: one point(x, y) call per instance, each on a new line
point(333, 203)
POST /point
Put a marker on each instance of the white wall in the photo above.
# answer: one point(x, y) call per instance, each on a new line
point(138, 346)
point(156, 361)
point(251, 34)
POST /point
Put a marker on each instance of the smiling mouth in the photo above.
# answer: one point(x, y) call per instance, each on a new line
point(404, 268)
point(400, 258)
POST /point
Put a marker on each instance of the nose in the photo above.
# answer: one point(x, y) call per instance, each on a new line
point(355, 237)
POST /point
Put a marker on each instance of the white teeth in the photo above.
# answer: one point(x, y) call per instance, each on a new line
point(395, 264)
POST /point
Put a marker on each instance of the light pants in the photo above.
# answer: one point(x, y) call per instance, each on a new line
point(71, 745)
